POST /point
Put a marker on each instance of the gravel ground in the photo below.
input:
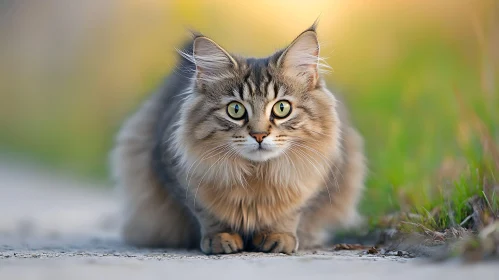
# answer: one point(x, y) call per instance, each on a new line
point(55, 227)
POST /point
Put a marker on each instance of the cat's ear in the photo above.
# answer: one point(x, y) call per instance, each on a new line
point(300, 60)
point(211, 60)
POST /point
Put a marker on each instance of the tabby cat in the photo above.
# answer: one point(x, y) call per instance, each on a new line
point(238, 153)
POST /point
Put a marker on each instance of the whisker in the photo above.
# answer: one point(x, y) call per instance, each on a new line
point(242, 178)
point(323, 178)
point(327, 161)
point(202, 157)
point(206, 172)
point(218, 150)
point(306, 157)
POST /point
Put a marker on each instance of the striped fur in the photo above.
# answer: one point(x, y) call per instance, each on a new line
point(192, 176)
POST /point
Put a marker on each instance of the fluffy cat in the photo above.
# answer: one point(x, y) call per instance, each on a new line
point(238, 153)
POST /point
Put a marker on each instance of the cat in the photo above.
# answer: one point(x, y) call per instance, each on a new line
point(238, 153)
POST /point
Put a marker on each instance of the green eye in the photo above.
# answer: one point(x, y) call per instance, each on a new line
point(236, 110)
point(281, 109)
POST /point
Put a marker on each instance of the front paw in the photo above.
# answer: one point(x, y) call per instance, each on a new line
point(275, 242)
point(222, 243)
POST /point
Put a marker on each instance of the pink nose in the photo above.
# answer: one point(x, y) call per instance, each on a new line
point(259, 136)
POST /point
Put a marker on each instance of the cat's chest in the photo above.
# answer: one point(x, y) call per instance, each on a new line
point(255, 206)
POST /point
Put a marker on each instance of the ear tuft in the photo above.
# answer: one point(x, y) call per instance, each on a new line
point(301, 59)
point(314, 26)
point(211, 60)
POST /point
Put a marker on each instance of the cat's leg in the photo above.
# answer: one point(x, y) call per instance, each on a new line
point(279, 238)
point(216, 237)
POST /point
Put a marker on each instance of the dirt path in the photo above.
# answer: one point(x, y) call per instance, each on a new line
point(53, 227)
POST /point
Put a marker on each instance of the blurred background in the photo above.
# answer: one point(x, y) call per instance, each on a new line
point(420, 77)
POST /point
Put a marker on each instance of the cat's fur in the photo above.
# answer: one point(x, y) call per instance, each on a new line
point(193, 177)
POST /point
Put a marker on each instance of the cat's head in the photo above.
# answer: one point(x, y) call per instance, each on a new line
point(258, 109)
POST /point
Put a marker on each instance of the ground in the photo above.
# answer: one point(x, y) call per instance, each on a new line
point(54, 227)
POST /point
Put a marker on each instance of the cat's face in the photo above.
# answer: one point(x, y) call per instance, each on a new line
point(259, 109)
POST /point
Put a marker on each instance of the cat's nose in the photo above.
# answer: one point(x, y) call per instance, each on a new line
point(259, 136)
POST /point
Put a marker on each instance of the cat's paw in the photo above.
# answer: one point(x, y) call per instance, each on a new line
point(275, 242)
point(222, 243)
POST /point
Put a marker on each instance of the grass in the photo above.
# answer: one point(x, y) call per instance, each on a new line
point(425, 95)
